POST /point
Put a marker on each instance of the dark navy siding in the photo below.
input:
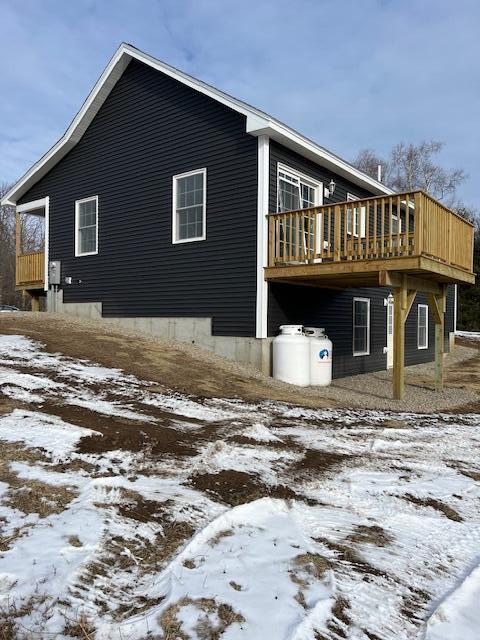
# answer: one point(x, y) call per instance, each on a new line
point(334, 309)
point(150, 128)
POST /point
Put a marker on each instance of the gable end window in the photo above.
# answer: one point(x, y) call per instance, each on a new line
point(361, 326)
point(189, 206)
point(86, 226)
point(422, 326)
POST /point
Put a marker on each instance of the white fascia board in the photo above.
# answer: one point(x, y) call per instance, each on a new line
point(258, 123)
point(308, 149)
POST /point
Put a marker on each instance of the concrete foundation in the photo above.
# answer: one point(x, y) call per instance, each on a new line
point(198, 331)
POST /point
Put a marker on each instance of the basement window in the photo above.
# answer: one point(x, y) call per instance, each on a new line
point(189, 206)
point(86, 226)
point(422, 327)
point(361, 326)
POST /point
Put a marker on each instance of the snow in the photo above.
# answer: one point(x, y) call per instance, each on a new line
point(458, 616)
point(39, 430)
point(471, 335)
point(377, 474)
point(258, 556)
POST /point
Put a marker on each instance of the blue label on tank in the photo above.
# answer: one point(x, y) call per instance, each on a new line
point(323, 354)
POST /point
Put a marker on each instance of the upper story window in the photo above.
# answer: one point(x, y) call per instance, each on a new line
point(189, 206)
point(86, 226)
point(355, 219)
point(422, 326)
point(296, 191)
point(361, 326)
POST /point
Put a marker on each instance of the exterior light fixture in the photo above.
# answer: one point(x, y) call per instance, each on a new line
point(331, 187)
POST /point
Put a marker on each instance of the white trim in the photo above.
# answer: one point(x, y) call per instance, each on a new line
point(257, 123)
point(262, 235)
point(455, 302)
point(87, 253)
point(367, 352)
point(31, 206)
point(46, 243)
point(423, 306)
point(174, 206)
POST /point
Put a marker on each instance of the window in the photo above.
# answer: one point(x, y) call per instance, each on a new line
point(422, 326)
point(296, 191)
point(189, 206)
point(86, 226)
point(361, 326)
point(355, 219)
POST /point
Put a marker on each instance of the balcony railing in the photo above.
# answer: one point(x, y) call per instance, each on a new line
point(30, 270)
point(401, 225)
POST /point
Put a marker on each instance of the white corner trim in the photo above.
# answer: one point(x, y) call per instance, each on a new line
point(175, 178)
point(258, 123)
point(455, 303)
point(46, 242)
point(262, 236)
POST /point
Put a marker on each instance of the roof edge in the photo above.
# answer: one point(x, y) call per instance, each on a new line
point(258, 123)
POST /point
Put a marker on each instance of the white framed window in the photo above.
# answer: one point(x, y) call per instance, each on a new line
point(189, 217)
point(355, 219)
point(86, 226)
point(422, 326)
point(361, 326)
point(297, 191)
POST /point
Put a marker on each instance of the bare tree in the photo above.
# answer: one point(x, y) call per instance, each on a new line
point(368, 161)
point(412, 166)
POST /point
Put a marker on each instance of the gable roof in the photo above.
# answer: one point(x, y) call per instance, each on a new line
point(258, 123)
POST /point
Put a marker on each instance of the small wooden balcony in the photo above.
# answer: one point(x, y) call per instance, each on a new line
point(371, 242)
point(30, 270)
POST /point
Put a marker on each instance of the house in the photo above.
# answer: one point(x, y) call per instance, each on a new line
point(175, 208)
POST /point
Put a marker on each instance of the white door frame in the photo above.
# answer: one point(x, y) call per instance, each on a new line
point(390, 329)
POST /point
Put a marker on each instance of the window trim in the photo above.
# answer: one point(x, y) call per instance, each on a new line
point(425, 346)
point(363, 218)
point(175, 178)
point(313, 182)
point(367, 352)
point(78, 253)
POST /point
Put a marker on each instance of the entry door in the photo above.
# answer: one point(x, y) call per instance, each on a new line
point(389, 332)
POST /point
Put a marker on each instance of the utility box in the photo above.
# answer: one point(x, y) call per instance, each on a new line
point(54, 268)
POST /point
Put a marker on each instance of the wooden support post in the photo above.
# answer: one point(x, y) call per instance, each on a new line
point(35, 303)
point(437, 305)
point(399, 311)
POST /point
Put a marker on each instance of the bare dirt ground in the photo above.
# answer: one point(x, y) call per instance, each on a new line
point(168, 494)
point(189, 369)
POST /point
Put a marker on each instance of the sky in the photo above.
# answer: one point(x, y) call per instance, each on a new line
point(349, 74)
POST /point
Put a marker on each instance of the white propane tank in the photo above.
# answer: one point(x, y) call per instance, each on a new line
point(320, 356)
point(291, 355)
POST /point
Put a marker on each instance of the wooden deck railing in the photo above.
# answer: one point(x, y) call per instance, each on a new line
point(405, 224)
point(30, 269)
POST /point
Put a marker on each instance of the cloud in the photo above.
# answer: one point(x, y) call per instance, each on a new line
point(348, 74)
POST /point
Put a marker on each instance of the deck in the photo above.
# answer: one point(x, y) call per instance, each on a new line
point(409, 242)
point(369, 242)
point(30, 270)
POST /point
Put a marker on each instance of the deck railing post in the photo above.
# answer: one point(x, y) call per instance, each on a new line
point(336, 233)
point(418, 223)
point(271, 241)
